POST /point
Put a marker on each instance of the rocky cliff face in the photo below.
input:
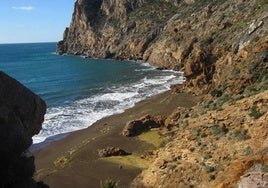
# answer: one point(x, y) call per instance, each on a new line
point(21, 116)
point(119, 29)
point(206, 39)
point(222, 48)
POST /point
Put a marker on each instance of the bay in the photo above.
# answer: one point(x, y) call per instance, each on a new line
point(79, 91)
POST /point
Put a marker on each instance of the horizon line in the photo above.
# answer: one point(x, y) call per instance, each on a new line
point(28, 42)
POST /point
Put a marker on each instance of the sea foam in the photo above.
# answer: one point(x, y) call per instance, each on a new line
point(81, 113)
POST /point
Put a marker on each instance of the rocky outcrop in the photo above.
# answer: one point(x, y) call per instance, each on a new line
point(112, 151)
point(256, 178)
point(103, 27)
point(207, 40)
point(222, 48)
point(143, 124)
point(21, 116)
point(197, 37)
point(213, 148)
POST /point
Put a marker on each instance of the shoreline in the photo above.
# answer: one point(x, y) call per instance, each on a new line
point(40, 145)
point(101, 101)
point(75, 156)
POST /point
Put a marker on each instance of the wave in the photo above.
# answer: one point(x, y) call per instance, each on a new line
point(81, 113)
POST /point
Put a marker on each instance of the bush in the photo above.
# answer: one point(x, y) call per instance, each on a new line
point(216, 93)
point(109, 183)
point(223, 99)
point(210, 169)
point(265, 169)
point(217, 104)
point(207, 156)
point(240, 134)
point(218, 130)
point(255, 112)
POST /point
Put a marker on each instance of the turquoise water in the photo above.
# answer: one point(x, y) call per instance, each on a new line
point(80, 91)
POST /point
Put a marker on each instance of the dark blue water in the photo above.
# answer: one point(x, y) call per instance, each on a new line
point(80, 91)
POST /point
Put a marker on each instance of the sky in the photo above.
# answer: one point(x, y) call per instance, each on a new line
point(26, 21)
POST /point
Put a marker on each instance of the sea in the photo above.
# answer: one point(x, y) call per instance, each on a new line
point(79, 91)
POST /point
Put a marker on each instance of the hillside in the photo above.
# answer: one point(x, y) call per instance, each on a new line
point(222, 46)
point(214, 42)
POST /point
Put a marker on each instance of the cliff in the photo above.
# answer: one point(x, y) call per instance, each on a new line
point(21, 116)
point(208, 40)
point(222, 46)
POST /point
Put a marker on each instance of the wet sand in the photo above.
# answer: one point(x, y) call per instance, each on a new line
point(73, 162)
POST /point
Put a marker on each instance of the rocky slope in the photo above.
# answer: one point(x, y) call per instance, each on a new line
point(206, 39)
point(222, 46)
point(21, 116)
point(213, 148)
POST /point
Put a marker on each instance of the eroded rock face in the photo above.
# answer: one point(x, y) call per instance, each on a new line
point(254, 179)
point(204, 39)
point(222, 48)
point(112, 151)
point(138, 126)
point(21, 115)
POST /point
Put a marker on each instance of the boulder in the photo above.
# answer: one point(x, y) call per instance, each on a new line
point(254, 179)
point(21, 116)
point(138, 126)
point(112, 151)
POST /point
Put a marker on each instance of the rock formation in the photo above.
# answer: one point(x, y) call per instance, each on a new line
point(112, 151)
point(135, 127)
point(213, 148)
point(254, 179)
point(21, 116)
point(205, 39)
point(222, 48)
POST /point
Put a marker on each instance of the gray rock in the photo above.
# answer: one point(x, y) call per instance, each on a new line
point(255, 179)
point(254, 26)
point(21, 115)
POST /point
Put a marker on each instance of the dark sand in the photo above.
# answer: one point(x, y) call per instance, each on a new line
point(72, 161)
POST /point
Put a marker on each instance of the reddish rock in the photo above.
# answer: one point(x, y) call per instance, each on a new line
point(145, 123)
point(112, 151)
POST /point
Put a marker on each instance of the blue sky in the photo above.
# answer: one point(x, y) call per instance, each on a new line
point(23, 21)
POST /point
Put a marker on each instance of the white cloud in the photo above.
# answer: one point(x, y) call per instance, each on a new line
point(26, 8)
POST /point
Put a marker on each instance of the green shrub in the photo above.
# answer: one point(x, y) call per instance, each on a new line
point(255, 112)
point(263, 151)
point(207, 156)
point(210, 169)
point(265, 169)
point(109, 183)
point(248, 151)
point(216, 93)
point(218, 130)
point(223, 99)
point(217, 104)
point(207, 104)
point(240, 134)
point(185, 124)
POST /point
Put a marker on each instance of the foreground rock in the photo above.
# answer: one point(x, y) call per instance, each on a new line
point(21, 115)
point(112, 151)
point(138, 126)
point(213, 148)
point(255, 179)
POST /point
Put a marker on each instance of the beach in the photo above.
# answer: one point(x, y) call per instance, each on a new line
point(73, 161)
